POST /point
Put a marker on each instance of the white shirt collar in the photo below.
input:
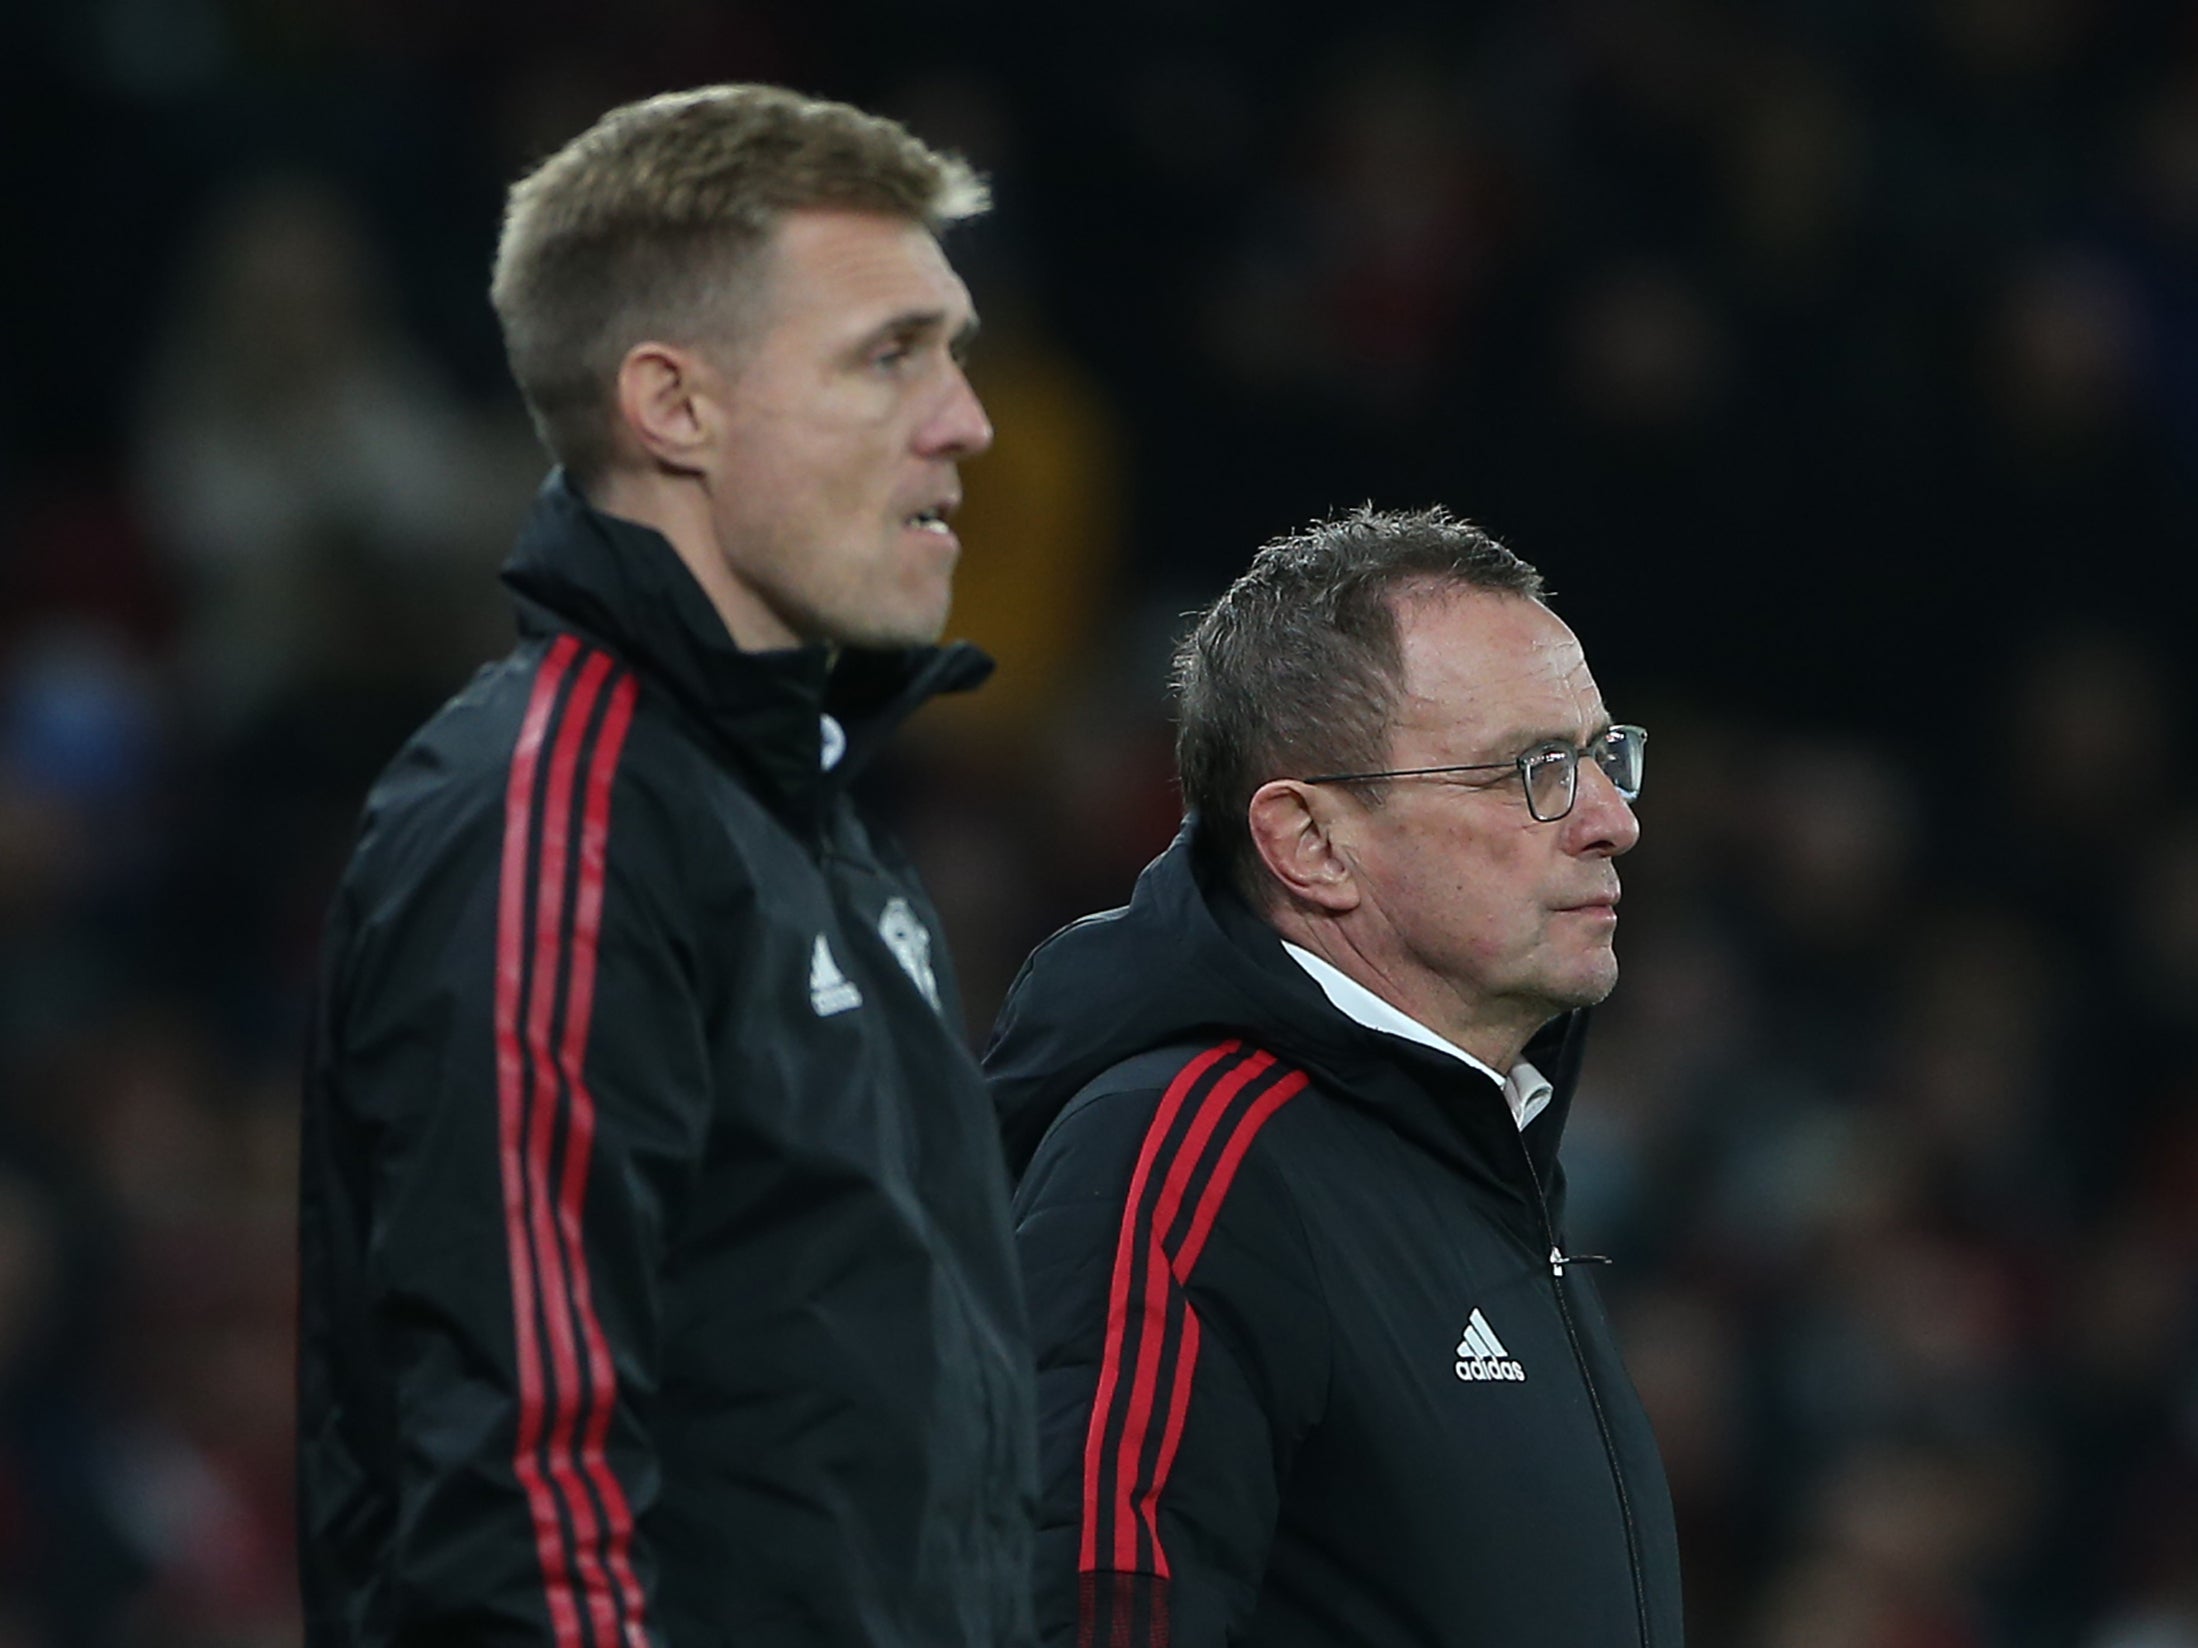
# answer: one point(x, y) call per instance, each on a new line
point(1526, 1090)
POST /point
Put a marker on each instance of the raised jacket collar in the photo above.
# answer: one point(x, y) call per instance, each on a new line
point(1186, 959)
point(623, 586)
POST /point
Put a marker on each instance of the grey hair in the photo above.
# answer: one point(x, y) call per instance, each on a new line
point(1296, 669)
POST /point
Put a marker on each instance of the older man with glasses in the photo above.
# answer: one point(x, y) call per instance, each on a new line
point(1315, 1364)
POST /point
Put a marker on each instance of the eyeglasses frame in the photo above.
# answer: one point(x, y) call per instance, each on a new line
point(1518, 763)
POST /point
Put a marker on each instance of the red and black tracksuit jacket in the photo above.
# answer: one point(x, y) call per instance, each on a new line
point(1311, 1367)
point(658, 1286)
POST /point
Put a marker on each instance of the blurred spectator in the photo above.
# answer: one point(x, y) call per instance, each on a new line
point(290, 424)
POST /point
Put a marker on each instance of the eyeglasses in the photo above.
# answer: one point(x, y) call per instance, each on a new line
point(1550, 772)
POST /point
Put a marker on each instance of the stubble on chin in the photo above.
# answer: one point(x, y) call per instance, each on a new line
point(1588, 982)
point(914, 625)
point(1596, 988)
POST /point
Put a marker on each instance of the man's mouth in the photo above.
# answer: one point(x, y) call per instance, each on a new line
point(932, 518)
point(1601, 901)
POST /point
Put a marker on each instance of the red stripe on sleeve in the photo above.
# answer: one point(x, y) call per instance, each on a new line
point(1158, 1188)
point(1224, 1173)
point(546, 1116)
point(511, 1083)
point(1184, 1262)
point(579, 1011)
point(1138, 1423)
point(1118, 1298)
point(1179, 1402)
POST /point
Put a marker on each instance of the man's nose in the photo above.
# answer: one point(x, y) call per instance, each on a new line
point(957, 427)
point(1602, 819)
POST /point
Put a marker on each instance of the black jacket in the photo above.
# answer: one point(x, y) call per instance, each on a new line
point(658, 1285)
point(1307, 1373)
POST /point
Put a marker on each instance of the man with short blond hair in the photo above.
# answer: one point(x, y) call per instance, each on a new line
point(654, 223)
point(1315, 1364)
point(657, 1285)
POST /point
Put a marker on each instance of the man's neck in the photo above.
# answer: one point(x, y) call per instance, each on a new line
point(1526, 1091)
point(1493, 1040)
point(677, 508)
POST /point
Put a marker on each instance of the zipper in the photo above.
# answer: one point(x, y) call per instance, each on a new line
point(1558, 1259)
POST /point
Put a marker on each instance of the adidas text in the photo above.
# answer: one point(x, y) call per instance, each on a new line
point(1489, 1367)
point(1481, 1355)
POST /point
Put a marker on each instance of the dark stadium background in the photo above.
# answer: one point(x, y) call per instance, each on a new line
point(1837, 360)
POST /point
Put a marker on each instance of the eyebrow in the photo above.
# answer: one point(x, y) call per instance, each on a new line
point(917, 322)
point(1533, 738)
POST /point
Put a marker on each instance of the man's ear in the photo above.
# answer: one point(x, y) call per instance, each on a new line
point(1292, 826)
point(668, 404)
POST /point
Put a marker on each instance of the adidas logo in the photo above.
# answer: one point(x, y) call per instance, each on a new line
point(1481, 1354)
point(830, 990)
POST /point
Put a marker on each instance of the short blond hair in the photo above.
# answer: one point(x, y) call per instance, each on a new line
point(643, 226)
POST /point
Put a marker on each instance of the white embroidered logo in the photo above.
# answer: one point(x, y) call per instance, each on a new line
point(910, 941)
point(830, 990)
point(1481, 1354)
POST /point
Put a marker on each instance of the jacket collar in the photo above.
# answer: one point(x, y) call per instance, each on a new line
point(1424, 1094)
point(623, 586)
point(1188, 958)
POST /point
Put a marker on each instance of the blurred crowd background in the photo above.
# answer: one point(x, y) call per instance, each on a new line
point(1836, 359)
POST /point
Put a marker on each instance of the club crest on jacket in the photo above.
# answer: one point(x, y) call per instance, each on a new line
point(910, 941)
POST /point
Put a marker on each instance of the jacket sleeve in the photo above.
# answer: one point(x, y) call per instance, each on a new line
point(520, 1065)
point(1180, 1338)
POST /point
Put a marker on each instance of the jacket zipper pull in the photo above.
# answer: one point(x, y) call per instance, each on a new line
point(1558, 1261)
